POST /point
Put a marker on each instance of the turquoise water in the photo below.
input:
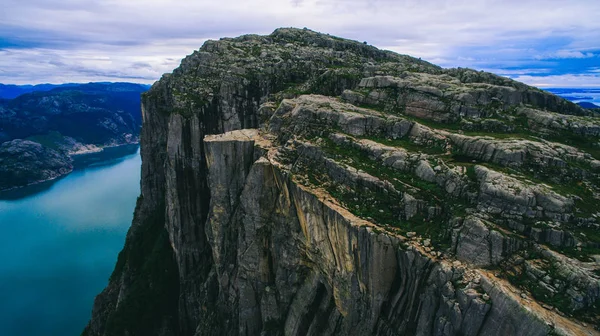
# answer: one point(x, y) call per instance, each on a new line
point(59, 244)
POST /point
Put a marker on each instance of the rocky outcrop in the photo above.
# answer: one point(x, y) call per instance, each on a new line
point(482, 245)
point(26, 162)
point(303, 184)
point(348, 277)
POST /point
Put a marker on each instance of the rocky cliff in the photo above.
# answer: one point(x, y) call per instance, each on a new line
point(304, 184)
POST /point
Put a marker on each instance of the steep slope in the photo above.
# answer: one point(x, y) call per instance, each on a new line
point(303, 184)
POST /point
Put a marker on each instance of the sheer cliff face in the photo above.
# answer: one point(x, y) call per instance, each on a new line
point(303, 184)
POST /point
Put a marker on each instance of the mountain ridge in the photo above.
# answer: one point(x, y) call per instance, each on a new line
point(65, 121)
point(10, 91)
point(301, 184)
point(588, 105)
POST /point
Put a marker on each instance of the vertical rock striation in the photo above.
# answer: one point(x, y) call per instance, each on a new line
point(303, 184)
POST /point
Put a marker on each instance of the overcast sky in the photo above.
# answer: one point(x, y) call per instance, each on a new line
point(552, 43)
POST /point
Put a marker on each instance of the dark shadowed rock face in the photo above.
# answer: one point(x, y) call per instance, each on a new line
point(26, 162)
point(304, 184)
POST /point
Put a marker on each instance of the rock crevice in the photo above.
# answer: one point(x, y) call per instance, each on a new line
point(304, 184)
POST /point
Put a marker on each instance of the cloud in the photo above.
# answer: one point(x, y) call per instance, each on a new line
point(567, 54)
point(518, 72)
point(587, 80)
point(93, 39)
point(143, 64)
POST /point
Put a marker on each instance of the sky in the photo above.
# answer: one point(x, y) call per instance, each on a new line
point(546, 43)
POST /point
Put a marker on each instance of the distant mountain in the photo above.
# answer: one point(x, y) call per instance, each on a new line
point(71, 119)
point(95, 113)
point(10, 91)
point(588, 98)
point(588, 105)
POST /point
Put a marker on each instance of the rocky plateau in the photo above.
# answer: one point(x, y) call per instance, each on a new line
point(304, 184)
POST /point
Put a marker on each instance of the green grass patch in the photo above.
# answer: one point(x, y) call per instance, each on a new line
point(409, 146)
point(519, 278)
point(383, 206)
point(400, 179)
point(497, 135)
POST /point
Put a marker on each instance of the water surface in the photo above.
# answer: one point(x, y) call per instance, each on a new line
point(59, 243)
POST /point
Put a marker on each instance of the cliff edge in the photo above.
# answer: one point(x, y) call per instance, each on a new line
point(303, 184)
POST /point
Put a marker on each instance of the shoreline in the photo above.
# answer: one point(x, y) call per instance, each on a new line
point(57, 177)
point(97, 150)
point(74, 157)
